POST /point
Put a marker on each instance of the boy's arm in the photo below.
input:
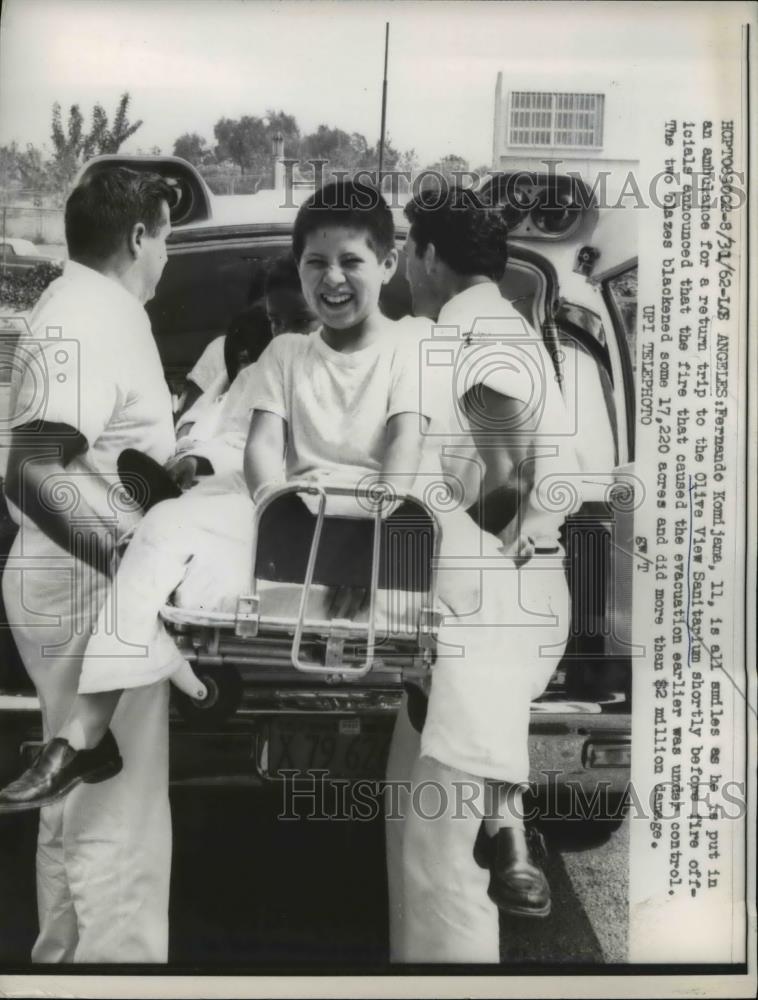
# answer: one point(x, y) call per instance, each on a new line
point(264, 450)
point(402, 453)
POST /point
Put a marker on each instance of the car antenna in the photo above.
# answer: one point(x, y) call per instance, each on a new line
point(384, 104)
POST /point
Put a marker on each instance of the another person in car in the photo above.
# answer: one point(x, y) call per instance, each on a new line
point(345, 397)
point(205, 371)
point(287, 313)
point(209, 438)
point(286, 308)
point(505, 414)
point(104, 855)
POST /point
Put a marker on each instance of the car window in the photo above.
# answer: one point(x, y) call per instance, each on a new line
point(201, 291)
point(6, 249)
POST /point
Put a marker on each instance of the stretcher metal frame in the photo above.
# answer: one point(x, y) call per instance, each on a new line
point(248, 638)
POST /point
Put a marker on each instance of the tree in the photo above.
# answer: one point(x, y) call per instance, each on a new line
point(248, 142)
point(286, 125)
point(34, 173)
point(68, 143)
point(244, 141)
point(193, 148)
point(104, 139)
point(449, 166)
point(408, 161)
point(122, 129)
point(343, 151)
point(72, 146)
point(391, 158)
point(25, 169)
point(9, 172)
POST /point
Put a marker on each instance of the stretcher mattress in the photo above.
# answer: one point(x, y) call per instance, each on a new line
point(396, 612)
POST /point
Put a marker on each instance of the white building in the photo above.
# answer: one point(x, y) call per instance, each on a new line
point(585, 120)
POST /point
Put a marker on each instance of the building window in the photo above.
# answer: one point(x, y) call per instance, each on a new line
point(551, 119)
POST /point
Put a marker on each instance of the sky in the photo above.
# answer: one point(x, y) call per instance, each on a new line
point(187, 63)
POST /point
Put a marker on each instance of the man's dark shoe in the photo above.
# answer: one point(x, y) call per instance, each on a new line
point(57, 769)
point(517, 884)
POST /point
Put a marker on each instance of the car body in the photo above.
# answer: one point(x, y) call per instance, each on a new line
point(580, 731)
point(20, 255)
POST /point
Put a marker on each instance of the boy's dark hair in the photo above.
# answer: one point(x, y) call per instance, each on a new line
point(249, 330)
point(104, 208)
point(282, 273)
point(350, 204)
point(469, 237)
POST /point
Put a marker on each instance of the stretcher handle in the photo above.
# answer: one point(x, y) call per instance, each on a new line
point(299, 486)
point(316, 668)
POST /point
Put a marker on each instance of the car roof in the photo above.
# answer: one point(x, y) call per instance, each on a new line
point(20, 245)
point(274, 210)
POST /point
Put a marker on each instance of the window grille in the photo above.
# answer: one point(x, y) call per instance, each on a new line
point(553, 119)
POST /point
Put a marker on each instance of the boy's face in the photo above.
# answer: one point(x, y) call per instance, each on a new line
point(288, 312)
point(342, 277)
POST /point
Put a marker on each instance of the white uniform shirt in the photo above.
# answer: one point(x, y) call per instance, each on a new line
point(220, 422)
point(337, 405)
point(210, 364)
point(201, 420)
point(508, 627)
point(485, 341)
point(91, 362)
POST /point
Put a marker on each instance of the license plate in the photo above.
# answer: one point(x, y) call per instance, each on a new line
point(349, 747)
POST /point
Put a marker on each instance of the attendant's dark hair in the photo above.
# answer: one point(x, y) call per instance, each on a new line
point(282, 273)
point(349, 204)
point(249, 330)
point(468, 236)
point(102, 211)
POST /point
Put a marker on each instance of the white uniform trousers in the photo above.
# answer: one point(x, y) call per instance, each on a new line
point(439, 910)
point(510, 637)
point(104, 851)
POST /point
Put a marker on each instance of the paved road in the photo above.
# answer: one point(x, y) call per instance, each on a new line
point(250, 891)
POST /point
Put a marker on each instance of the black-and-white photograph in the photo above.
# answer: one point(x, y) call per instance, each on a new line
point(355, 489)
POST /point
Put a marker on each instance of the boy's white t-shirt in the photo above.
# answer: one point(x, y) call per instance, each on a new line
point(336, 405)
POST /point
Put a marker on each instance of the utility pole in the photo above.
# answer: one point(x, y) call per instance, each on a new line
point(384, 103)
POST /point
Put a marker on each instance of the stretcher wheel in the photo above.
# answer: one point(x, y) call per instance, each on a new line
point(224, 687)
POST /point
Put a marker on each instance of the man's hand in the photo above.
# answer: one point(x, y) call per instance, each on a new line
point(183, 471)
point(525, 549)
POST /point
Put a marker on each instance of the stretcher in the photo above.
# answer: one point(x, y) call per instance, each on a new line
point(341, 603)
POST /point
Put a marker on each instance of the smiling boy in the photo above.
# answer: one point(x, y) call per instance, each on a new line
point(343, 402)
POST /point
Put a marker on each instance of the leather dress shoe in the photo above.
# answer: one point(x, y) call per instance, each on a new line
point(517, 883)
point(57, 769)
